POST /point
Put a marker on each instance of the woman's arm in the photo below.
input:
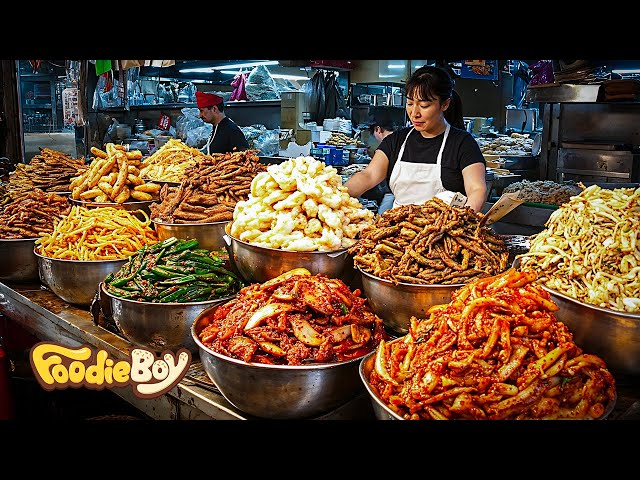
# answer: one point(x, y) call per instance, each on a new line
point(475, 185)
point(371, 176)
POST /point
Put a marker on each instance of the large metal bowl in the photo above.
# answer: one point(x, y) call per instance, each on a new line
point(75, 281)
point(383, 412)
point(156, 326)
point(278, 391)
point(209, 235)
point(397, 303)
point(17, 260)
point(259, 264)
point(612, 335)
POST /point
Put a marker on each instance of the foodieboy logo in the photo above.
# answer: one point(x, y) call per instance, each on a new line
point(59, 367)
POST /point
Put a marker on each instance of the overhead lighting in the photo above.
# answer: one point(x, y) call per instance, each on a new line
point(396, 66)
point(623, 72)
point(227, 67)
point(289, 77)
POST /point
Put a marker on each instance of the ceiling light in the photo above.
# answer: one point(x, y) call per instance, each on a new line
point(396, 66)
point(622, 72)
point(227, 67)
point(289, 77)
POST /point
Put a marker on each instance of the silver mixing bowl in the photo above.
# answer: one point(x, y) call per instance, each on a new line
point(278, 391)
point(17, 260)
point(396, 304)
point(209, 235)
point(259, 264)
point(75, 281)
point(612, 335)
point(156, 326)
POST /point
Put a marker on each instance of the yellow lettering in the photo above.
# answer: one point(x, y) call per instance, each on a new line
point(42, 365)
point(95, 373)
point(121, 371)
point(60, 373)
point(76, 372)
point(108, 372)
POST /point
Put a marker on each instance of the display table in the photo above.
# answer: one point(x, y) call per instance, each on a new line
point(43, 314)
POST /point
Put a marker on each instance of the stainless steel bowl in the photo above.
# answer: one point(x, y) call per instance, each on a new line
point(612, 335)
point(259, 264)
point(18, 263)
point(75, 281)
point(383, 412)
point(156, 326)
point(278, 391)
point(396, 304)
point(380, 408)
point(209, 235)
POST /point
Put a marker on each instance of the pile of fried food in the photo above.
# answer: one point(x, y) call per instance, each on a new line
point(590, 249)
point(211, 191)
point(294, 319)
point(514, 144)
point(103, 233)
point(113, 176)
point(299, 205)
point(170, 162)
point(50, 171)
point(495, 352)
point(35, 212)
point(432, 243)
point(543, 191)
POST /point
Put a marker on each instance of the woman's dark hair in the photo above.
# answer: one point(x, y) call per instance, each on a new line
point(434, 83)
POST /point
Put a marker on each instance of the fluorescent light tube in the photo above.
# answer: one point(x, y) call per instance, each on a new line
point(227, 67)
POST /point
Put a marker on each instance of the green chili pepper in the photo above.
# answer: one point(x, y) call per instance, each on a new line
point(175, 295)
point(167, 242)
point(184, 245)
point(178, 280)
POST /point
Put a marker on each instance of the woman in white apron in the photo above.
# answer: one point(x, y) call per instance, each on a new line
point(430, 158)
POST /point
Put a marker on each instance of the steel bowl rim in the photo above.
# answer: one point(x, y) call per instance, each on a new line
point(30, 239)
point(44, 257)
point(608, 311)
point(167, 224)
point(314, 366)
point(405, 284)
point(167, 304)
point(337, 252)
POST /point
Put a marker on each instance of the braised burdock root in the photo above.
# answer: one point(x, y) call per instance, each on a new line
point(495, 352)
point(431, 244)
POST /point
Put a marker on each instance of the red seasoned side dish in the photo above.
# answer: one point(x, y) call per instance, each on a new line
point(294, 319)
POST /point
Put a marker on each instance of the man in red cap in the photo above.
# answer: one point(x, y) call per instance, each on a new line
point(226, 136)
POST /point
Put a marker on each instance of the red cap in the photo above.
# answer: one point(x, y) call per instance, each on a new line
point(207, 99)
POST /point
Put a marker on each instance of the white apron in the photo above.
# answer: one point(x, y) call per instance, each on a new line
point(415, 183)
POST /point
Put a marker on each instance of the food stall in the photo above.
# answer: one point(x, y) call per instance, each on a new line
point(259, 254)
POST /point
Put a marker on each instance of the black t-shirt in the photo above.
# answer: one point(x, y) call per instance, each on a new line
point(227, 137)
point(460, 151)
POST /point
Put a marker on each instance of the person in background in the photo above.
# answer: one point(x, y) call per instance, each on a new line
point(381, 126)
point(430, 157)
point(226, 136)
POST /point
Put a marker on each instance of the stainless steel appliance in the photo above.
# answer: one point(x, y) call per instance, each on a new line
point(597, 162)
